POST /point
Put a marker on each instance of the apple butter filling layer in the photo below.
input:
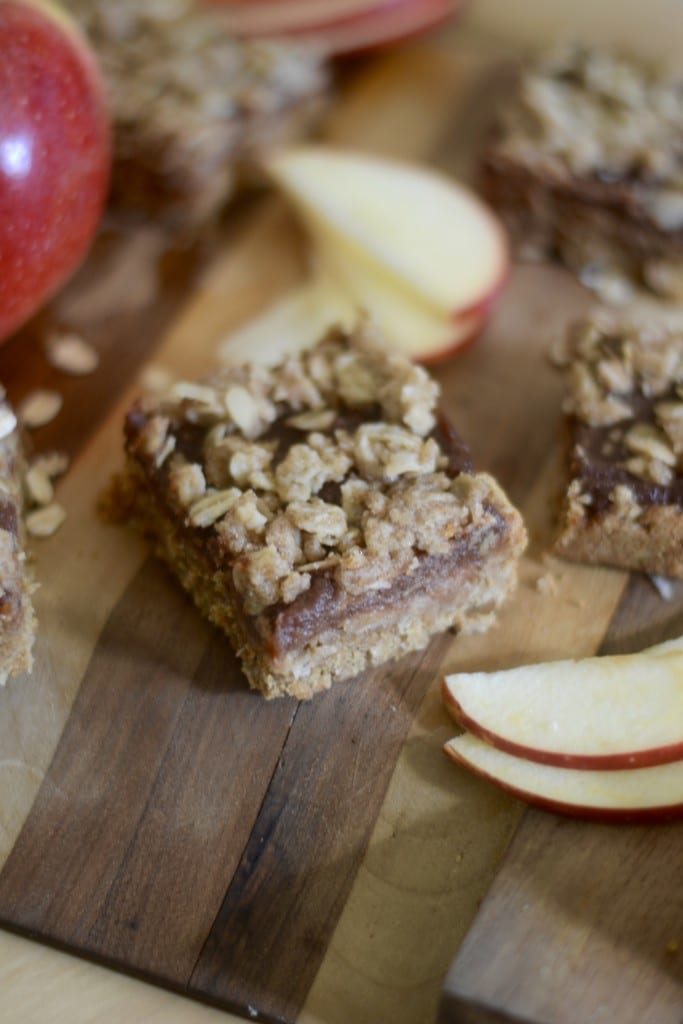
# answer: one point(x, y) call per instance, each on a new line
point(624, 505)
point(320, 512)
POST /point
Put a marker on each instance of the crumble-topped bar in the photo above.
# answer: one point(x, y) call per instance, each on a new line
point(587, 164)
point(319, 512)
point(190, 105)
point(17, 620)
point(624, 506)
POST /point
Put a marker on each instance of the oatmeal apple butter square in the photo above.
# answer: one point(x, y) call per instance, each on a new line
point(192, 106)
point(17, 619)
point(587, 164)
point(320, 512)
point(624, 504)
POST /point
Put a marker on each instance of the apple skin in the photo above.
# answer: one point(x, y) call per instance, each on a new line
point(342, 28)
point(593, 762)
point(606, 718)
point(464, 751)
point(467, 333)
point(55, 155)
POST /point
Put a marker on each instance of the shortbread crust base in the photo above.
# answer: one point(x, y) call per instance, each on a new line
point(464, 600)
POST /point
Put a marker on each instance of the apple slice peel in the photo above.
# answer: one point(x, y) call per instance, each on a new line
point(410, 326)
point(334, 28)
point(641, 795)
point(597, 713)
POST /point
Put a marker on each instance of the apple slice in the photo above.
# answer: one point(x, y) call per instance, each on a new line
point(644, 794)
point(409, 325)
point(624, 711)
point(300, 319)
point(292, 324)
point(435, 238)
point(337, 28)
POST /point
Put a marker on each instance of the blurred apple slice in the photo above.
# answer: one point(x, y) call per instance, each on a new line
point(622, 711)
point(640, 795)
point(55, 154)
point(336, 26)
point(302, 317)
point(294, 323)
point(435, 238)
point(407, 323)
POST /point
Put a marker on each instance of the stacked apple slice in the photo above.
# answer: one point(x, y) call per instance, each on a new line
point(414, 249)
point(598, 738)
point(336, 26)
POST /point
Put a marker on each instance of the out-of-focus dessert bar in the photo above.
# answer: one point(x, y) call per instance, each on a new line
point(587, 164)
point(191, 106)
point(624, 504)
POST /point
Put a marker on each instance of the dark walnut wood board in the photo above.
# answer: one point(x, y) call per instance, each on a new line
point(321, 861)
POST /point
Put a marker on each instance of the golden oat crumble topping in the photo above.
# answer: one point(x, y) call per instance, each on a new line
point(625, 379)
point(599, 114)
point(327, 462)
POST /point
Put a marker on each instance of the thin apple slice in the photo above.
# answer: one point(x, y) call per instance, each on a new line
point(644, 794)
point(338, 29)
point(434, 237)
point(292, 324)
point(273, 17)
point(409, 325)
point(623, 711)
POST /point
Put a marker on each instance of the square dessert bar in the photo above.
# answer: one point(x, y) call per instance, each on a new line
point(191, 106)
point(17, 620)
point(587, 165)
point(624, 505)
point(319, 512)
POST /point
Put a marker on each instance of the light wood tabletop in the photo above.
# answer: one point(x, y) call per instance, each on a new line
point(39, 983)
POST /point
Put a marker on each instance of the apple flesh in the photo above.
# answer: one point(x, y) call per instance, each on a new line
point(640, 795)
point(294, 323)
point(381, 233)
point(54, 155)
point(337, 27)
point(407, 323)
point(302, 317)
point(597, 713)
point(434, 238)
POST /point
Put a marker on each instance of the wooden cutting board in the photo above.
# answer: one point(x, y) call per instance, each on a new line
point(320, 861)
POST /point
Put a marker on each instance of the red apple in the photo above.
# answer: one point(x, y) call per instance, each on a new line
point(54, 155)
point(639, 795)
point(611, 712)
point(336, 26)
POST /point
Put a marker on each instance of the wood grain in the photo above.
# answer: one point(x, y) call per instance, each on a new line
point(280, 910)
point(320, 862)
point(585, 939)
point(174, 683)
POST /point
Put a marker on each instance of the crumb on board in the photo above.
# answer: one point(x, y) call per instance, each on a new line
point(39, 408)
point(70, 353)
